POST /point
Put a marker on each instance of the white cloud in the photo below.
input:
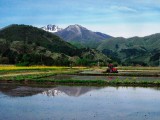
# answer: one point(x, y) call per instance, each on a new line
point(120, 30)
point(126, 30)
point(123, 9)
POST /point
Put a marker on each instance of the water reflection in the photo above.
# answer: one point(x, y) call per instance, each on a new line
point(20, 90)
point(90, 103)
point(68, 90)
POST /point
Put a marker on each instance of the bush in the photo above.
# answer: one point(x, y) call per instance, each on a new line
point(4, 60)
point(23, 64)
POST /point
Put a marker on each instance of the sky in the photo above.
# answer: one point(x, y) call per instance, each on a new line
point(125, 18)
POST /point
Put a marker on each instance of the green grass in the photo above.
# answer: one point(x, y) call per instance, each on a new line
point(10, 70)
point(42, 79)
point(138, 68)
point(26, 77)
point(128, 82)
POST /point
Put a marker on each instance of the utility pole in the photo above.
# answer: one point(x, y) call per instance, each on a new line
point(98, 63)
point(25, 42)
point(159, 61)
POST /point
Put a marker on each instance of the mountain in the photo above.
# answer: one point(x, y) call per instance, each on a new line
point(51, 28)
point(81, 36)
point(24, 44)
point(132, 51)
point(32, 35)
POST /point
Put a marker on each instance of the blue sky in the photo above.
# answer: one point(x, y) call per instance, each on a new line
point(125, 18)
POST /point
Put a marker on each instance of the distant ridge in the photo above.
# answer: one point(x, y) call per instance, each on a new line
point(81, 36)
point(133, 51)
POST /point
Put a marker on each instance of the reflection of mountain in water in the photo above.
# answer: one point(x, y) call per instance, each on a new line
point(70, 91)
point(15, 90)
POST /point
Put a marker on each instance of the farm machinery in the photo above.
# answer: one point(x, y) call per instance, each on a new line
point(111, 69)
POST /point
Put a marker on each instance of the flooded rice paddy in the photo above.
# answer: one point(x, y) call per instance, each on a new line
point(36, 102)
point(99, 77)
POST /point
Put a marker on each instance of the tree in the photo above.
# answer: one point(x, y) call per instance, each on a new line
point(4, 46)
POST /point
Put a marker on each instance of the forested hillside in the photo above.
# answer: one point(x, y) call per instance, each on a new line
point(28, 45)
point(133, 51)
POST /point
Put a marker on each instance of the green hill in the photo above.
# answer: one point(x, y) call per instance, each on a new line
point(30, 35)
point(28, 45)
point(133, 51)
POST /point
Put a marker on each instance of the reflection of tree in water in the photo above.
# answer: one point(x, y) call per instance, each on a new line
point(156, 88)
point(19, 90)
point(22, 91)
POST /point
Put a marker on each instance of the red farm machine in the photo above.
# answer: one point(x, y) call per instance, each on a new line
point(111, 69)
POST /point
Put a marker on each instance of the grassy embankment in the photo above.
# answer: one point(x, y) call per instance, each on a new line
point(40, 74)
point(34, 72)
point(137, 71)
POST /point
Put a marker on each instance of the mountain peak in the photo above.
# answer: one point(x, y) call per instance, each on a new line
point(51, 28)
point(75, 29)
point(76, 26)
point(79, 34)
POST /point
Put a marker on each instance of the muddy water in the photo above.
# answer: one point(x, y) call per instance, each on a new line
point(21, 102)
